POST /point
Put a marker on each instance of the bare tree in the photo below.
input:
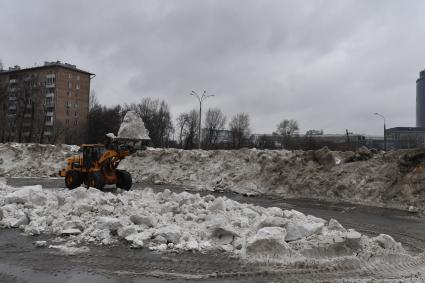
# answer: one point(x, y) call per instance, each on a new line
point(287, 128)
point(239, 126)
point(182, 120)
point(188, 124)
point(93, 101)
point(215, 121)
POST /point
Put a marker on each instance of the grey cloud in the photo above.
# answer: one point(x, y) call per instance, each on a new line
point(328, 64)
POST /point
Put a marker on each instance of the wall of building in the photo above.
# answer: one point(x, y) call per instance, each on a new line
point(59, 101)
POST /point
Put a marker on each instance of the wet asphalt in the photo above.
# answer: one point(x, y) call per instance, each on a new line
point(21, 261)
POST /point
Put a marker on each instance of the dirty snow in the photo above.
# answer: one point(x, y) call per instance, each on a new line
point(133, 127)
point(392, 179)
point(168, 221)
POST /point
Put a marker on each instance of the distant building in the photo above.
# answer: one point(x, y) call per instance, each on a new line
point(48, 103)
point(223, 137)
point(420, 100)
point(406, 137)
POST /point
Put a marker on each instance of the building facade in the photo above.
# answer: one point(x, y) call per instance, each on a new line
point(406, 137)
point(44, 104)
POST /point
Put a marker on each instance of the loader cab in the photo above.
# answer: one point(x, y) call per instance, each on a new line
point(91, 154)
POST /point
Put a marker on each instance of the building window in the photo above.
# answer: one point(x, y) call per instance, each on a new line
point(76, 105)
point(67, 121)
point(78, 77)
point(76, 122)
point(67, 104)
point(76, 114)
point(77, 86)
point(69, 76)
point(69, 93)
point(50, 81)
point(69, 84)
point(67, 112)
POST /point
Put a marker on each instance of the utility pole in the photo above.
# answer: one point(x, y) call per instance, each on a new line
point(385, 130)
point(201, 99)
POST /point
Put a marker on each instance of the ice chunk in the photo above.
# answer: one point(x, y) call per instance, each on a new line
point(133, 127)
point(387, 242)
point(269, 243)
point(171, 233)
point(22, 195)
point(273, 222)
point(299, 229)
point(145, 220)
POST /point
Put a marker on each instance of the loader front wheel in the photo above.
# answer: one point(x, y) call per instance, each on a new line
point(96, 180)
point(124, 180)
point(72, 179)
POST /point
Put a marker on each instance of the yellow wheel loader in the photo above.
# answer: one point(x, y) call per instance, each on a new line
point(96, 165)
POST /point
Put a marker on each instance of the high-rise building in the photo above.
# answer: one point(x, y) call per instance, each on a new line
point(420, 100)
point(46, 104)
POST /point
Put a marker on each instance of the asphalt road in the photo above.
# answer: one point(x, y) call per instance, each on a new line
point(20, 261)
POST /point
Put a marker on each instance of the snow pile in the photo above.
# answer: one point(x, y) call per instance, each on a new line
point(393, 179)
point(167, 221)
point(33, 160)
point(133, 127)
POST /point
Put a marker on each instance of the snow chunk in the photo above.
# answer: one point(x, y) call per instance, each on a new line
point(302, 228)
point(24, 195)
point(387, 242)
point(269, 243)
point(133, 127)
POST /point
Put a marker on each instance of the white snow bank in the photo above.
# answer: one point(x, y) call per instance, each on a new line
point(33, 160)
point(133, 127)
point(175, 222)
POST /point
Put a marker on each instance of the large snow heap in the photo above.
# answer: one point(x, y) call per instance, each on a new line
point(133, 127)
point(168, 221)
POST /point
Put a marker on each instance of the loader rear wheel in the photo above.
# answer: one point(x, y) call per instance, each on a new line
point(72, 179)
point(124, 180)
point(96, 180)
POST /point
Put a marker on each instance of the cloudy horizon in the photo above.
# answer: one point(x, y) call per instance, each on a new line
point(327, 64)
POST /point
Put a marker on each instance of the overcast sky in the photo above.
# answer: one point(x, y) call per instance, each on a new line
point(328, 64)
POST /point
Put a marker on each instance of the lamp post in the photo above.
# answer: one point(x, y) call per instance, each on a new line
point(385, 130)
point(201, 99)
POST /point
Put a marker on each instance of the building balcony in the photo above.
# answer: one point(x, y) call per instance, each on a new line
point(50, 85)
point(26, 133)
point(49, 104)
point(49, 123)
point(13, 81)
point(27, 115)
point(12, 98)
point(12, 107)
point(49, 113)
point(50, 95)
point(47, 133)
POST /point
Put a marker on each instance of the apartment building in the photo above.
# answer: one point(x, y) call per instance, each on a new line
point(45, 104)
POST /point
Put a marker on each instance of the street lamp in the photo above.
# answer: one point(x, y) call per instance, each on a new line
point(385, 130)
point(201, 99)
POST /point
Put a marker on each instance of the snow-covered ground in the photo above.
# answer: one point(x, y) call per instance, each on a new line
point(167, 221)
